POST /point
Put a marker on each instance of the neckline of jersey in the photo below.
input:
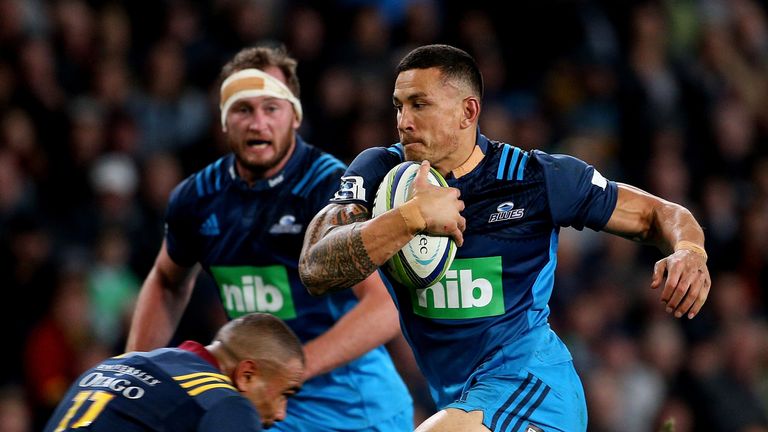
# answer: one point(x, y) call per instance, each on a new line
point(279, 178)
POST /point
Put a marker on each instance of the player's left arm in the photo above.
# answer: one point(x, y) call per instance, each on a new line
point(646, 218)
point(372, 322)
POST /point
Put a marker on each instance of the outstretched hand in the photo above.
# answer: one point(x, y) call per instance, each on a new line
point(687, 282)
point(439, 206)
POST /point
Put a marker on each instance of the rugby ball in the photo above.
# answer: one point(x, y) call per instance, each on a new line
point(426, 258)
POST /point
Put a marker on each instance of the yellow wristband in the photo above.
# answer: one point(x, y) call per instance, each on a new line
point(691, 246)
point(412, 216)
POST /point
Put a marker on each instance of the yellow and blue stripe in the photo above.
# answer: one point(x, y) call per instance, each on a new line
point(200, 382)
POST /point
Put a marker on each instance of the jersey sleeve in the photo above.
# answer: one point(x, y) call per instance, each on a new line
point(362, 178)
point(181, 233)
point(326, 188)
point(233, 414)
point(578, 194)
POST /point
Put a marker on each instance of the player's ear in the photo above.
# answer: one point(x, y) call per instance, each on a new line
point(471, 111)
point(246, 372)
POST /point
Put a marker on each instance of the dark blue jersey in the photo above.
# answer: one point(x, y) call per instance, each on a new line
point(249, 239)
point(169, 389)
point(499, 285)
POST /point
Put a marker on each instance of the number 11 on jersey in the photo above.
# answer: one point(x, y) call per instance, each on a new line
point(98, 399)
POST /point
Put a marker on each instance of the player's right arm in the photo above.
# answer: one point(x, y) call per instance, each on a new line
point(161, 303)
point(344, 245)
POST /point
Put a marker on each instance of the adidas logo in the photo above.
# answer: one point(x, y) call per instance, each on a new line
point(211, 226)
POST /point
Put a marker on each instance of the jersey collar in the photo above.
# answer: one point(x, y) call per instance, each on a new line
point(199, 349)
point(290, 169)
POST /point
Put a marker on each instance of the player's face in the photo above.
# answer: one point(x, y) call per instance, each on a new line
point(261, 133)
point(270, 392)
point(429, 113)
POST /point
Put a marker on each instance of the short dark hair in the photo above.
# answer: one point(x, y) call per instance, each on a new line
point(454, 63)
point(261, 336)
point(261, 57)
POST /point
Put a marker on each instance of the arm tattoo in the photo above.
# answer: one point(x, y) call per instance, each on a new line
point(334, 254)
point(349, 214)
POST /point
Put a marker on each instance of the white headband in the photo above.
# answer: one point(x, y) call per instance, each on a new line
point(253, 83)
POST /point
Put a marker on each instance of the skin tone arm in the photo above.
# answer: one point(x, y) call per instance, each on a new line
point(161, 303)
point(166, 292)
point(646, 218)
point(343, 245)
point(371, 323)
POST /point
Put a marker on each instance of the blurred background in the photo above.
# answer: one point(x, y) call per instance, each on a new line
point(106, 105)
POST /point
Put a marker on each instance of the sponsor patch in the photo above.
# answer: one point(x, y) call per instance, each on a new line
point(471, 288)
point(246, 289)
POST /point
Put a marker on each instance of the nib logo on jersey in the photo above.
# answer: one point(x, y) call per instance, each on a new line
point(247, 289)
point(471, 288)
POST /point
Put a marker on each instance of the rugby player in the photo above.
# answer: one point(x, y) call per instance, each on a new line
point(243, 218)
point(481, 335)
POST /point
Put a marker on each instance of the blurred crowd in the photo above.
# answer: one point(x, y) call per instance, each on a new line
point(106, 105)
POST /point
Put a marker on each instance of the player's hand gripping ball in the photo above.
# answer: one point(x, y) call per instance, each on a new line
point(426, 258)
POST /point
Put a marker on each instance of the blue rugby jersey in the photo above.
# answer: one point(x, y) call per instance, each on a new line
point(499, 285)
point(169, 389)
point(249, 239)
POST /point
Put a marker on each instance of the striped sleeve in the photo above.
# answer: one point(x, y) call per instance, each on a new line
point(323, 168)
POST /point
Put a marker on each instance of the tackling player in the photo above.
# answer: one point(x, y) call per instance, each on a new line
point(254, 361)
